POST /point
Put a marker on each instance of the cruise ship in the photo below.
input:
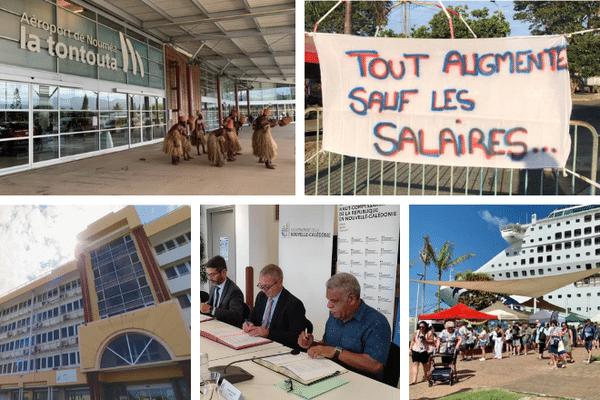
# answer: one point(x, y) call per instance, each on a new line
point(567, 240)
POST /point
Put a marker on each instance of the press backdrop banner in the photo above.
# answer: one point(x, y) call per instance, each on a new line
point(305, 249)
point(368, 249)
point(470, 102)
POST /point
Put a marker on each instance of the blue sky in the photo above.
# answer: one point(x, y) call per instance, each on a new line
point(420, 15)
point(472, 229)
point(150, 213)
point(36, 238)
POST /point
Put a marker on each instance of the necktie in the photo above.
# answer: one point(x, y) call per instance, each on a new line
point(216, 299)
point(266, 321)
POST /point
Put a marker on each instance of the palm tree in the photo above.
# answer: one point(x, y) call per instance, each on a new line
point(443, 259)
point(426, 255)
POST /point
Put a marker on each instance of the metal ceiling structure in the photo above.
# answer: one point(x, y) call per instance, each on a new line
point(245, 40)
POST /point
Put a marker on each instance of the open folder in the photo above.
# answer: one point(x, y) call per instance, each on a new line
point(302, 368)
point(232, 337)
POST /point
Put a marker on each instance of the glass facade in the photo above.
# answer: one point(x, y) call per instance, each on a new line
point(44, 123)
point(210, 109)
point(83, 43)
point(279, 98)
point(119, 278)
point(41, 123)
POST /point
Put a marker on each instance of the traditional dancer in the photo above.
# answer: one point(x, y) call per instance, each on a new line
point(263, 145)
point(217, 144)
point(199, 133)
point(185, 141)
point(233, 145)
point(173, 141)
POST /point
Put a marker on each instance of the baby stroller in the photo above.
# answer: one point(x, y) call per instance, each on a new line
point(442, 371)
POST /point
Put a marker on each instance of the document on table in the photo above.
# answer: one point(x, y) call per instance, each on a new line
point(232, 337)
point(301, 367)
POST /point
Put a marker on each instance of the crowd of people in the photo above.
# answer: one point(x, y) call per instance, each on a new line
point(222, 145)
point(515, 339)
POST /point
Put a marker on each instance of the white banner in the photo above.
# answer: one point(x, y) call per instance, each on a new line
point(368, 249)
point(465, 102)
point(305, 250)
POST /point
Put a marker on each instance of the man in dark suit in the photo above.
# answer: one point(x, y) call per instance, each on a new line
point(225, 301)
point(277, 315)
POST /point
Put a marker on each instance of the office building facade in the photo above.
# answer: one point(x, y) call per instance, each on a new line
point(113, 323)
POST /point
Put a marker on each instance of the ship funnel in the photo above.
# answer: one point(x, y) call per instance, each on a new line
point(533, 218)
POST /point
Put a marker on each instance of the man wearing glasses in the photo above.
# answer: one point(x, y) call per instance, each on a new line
point(225, 301)
point(277, 315)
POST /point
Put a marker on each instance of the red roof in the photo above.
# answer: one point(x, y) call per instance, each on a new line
point(459, 311)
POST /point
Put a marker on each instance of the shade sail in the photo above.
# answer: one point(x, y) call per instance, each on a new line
point(505, 313)
point(542, 304)
point(459, 311)
point(530, 287)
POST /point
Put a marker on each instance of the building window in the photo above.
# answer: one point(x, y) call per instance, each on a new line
point(173, 243)
point(184, 300)
point(120, 280)
point(178, 270)
point(133, 349)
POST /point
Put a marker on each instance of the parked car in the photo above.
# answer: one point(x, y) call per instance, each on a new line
point(312, 116)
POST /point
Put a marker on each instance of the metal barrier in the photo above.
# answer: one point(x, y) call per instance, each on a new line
point(335, 174)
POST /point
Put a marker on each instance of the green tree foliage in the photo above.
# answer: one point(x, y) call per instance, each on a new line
point(474, 298)
point(481, 22)
point(86, 103)
point(562, 17)
point(442, 259)
point(366, 16)
point(390, 33)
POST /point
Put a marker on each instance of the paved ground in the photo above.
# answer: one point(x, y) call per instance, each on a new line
point(147, 170)
point(364, 177)
point(524, 374)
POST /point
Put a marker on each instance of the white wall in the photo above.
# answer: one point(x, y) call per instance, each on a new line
point(264, 242)
point(257, 244)
point(307, 262)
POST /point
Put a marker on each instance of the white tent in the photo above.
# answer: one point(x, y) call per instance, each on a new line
point(544, 316)
point(505, 313)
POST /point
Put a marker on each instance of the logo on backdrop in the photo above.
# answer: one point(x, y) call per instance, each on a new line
point(56, 48)
point(135, 56)
point(304, 232)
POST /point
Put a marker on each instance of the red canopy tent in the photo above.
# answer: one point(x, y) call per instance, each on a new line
point(310, 51)
point(459, 311)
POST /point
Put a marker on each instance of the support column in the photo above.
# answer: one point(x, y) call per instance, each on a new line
point(85, 289)
point(219, 101)
point(248, 99)
point(94, 385)
point(190, 88)
point(237, 105)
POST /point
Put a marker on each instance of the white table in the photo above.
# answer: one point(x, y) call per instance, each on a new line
point(262, 385)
